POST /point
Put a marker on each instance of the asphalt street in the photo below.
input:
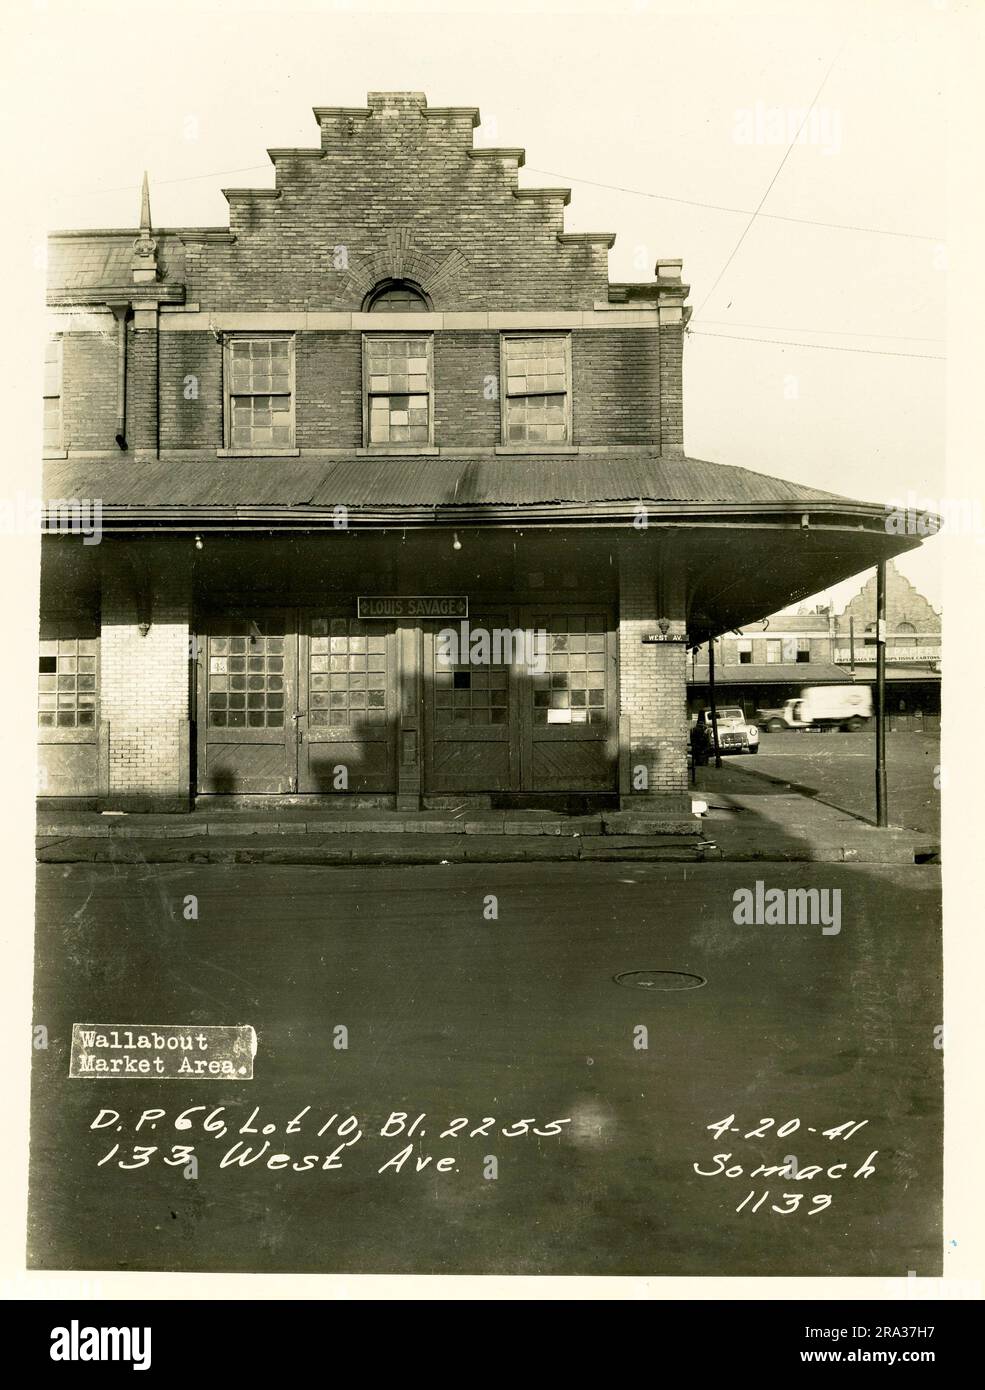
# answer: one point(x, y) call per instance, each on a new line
point(840, 769)
point(494, 1027)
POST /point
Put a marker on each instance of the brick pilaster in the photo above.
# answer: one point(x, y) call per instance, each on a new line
point(142, 385)
point(144, 649)
point(652, 677)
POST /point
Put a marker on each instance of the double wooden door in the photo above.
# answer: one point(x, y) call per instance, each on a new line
point(537, 712)
point(295, 700)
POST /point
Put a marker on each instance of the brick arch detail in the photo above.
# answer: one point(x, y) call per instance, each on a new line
point(400, 259)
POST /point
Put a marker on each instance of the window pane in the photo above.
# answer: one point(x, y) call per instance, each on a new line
point(536, 419)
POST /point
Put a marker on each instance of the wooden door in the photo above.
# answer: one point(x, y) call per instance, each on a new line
point(247, 684)
point(471, 725)
point(569, 715)
point(347, 704)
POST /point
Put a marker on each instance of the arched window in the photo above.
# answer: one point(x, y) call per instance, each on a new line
point(905, 627)
point(397, 297)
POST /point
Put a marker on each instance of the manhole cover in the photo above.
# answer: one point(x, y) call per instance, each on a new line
point(659, 979)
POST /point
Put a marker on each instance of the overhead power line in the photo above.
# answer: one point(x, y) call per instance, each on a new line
point(824, 332)
point(725, 207)
point(779, 169)
point(822, 347)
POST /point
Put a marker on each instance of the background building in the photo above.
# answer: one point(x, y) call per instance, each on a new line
point(768, 662)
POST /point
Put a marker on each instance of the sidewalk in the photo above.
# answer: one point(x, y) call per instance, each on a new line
point(738, 826)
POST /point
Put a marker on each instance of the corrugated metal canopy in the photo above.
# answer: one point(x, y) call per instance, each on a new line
point(415, 481)
point(802, 673)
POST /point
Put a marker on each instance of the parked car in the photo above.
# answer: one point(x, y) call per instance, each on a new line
point(735, 733)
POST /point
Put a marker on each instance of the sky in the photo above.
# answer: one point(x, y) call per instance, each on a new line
point(815, 352)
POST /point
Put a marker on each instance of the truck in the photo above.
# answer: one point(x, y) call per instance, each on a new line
point(845, 707)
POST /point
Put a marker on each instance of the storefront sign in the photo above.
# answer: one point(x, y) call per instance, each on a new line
point(413, 606)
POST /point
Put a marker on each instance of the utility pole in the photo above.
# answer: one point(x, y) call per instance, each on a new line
point(851, 644)
point(882, 806)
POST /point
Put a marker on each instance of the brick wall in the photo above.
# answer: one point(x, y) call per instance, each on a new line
point(616, 386)
point(466, 389)
point(190, 391)
point(671, 387)
point(89, 368)
point(144, 679)
point(652, 690)
point(142, 391)
point(396, 190)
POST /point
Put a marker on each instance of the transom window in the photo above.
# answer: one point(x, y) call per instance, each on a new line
point(536, 399)
point(53, 394)
point(397, 297)
point(398, 376)
point(260, 393)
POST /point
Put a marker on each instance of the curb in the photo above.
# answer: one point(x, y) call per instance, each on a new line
point(463, 849)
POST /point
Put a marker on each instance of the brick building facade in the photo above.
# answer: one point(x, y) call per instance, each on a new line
point(393, 392)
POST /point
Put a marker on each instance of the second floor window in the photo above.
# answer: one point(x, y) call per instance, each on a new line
point(744, 648)
point(398, 389)
point(536, 372)
point(260, 393)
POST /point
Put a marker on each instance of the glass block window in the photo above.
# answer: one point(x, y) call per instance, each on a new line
point(53, 394)
point(397, 374)
point(471, 694)
point(536, 373)
point(347, 672)
point(260, 393)
point(246, 680)
point(398, 297)
point(67, 682)
point(575, 681)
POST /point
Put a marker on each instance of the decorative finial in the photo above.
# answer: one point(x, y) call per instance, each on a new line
point(143, 264)
point(145, 223)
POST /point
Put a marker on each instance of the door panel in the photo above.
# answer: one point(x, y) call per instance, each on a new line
point(68, 707)
point(570, 719)
point(472, 735)
point(247, 674)
point(346, 704)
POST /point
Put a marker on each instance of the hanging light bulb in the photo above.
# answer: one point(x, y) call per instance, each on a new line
point(456, 543)
point(199, 543)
